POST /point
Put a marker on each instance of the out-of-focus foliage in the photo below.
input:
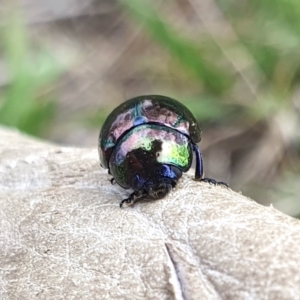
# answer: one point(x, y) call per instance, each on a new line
point(189, 53)
point(30, 71)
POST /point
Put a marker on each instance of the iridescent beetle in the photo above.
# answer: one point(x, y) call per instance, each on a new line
point(147, 142)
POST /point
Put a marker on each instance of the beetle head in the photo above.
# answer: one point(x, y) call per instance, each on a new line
point(156, 182)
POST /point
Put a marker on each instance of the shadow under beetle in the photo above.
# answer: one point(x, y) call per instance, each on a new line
point(147, 142)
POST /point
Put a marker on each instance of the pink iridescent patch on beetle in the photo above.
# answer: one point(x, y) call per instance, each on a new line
point(174, 148)
point(147, 112)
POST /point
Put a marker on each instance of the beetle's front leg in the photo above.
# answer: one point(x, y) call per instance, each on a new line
point(132, 198)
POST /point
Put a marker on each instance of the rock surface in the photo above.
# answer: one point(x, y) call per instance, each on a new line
point(63, 235)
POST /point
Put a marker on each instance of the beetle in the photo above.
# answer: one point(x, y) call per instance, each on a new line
point(147, 142)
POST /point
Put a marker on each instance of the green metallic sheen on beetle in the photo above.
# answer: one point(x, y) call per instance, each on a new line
point(145, 146)
point(147, 142)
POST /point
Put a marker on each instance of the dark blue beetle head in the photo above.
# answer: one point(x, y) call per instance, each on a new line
point(156, 182)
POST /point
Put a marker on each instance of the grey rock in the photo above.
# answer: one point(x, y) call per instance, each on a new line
point(63, 235)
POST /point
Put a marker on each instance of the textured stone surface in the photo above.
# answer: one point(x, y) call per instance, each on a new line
point(63, 235)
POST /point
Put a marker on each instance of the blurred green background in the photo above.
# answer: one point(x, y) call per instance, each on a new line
point(65, 64)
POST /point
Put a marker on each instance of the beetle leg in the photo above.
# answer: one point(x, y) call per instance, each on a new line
point(132, 198)
point(199, 169)
point(212, 181)
point(112, 180)
point(174, 182)
point(209, 180)
point(128, 201)
point(199, 163)
point(222, 183)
